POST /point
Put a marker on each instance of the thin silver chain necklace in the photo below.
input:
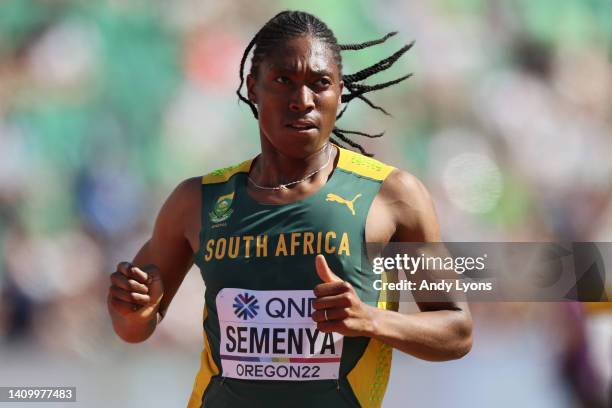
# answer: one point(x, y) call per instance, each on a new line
point(284, 186)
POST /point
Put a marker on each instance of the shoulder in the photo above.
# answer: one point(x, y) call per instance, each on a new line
point(178, 212)
point(411, 207)
point(183, 200)
point(187, 194)
point(403, 186)
point(186, 190)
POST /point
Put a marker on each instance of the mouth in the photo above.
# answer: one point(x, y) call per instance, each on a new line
point(302, 125)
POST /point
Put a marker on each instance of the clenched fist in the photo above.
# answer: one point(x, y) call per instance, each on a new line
point(135, 292)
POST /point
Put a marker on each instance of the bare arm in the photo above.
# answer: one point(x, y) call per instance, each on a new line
point(142, 290)
point(441, 331)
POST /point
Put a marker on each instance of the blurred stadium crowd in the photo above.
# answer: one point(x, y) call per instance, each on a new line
point(106, 105)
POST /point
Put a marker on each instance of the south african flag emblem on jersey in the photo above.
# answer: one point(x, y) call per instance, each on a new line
point(222, 209)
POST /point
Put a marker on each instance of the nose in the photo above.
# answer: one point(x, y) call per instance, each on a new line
point(302, 99)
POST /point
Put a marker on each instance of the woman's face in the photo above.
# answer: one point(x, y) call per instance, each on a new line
point(297, 91)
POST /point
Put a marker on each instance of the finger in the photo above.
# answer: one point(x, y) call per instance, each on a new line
point(130, 285)
point(323, 270)
point(330, 314)
point(124, 268)
point(126, 296)
point(155, 284)
point(329, 302)
point(331, 289)
point(118, 279)
point(139, 275)
point(132, 297)
point(331, 326)
point(137, 287)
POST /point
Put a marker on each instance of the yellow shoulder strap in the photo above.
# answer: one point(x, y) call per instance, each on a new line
point(224, 174)
point(363, 165)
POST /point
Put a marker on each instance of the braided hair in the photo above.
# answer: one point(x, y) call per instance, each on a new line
point(291, 24)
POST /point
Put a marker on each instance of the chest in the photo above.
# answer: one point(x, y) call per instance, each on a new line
point(244, 243)
point(379, 224)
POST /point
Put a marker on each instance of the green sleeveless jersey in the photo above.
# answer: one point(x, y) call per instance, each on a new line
point(261, 346)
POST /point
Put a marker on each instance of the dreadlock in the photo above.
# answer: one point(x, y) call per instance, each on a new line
point(291, 24)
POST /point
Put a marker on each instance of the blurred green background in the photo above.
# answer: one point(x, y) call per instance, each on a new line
point(105, 106)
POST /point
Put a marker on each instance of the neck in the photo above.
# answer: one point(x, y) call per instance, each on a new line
point(274, 168)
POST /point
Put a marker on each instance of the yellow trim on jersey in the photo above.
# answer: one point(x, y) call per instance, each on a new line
point(598, 307)
point(348, 160)
point(224, 174)
point(370, 376)
point(363, 165)
point(208, 369)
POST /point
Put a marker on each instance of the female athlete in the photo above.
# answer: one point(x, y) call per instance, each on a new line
point(291, 315)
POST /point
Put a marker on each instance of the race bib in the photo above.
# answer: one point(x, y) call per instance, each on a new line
point(270, 335)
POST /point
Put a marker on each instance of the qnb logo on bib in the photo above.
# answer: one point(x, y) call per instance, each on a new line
point(270, 335)
point(245, 306)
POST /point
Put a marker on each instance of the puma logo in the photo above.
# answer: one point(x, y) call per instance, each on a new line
point(336, 198)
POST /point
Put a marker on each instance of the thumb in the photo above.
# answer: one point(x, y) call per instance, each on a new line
point(323, 270)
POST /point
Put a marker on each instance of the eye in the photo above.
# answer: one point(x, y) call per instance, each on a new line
point(281, 80)
point(323, 82)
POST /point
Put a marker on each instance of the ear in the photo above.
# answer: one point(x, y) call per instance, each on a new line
point(251, 88)
point(341, 86)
